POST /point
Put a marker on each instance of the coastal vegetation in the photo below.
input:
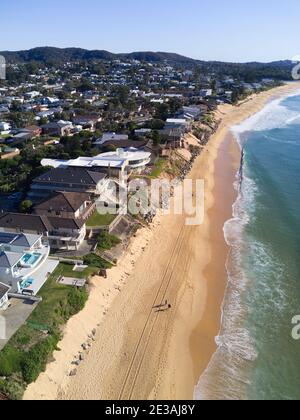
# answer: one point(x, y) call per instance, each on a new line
point(107, 241)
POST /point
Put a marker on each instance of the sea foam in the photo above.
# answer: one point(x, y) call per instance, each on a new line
point(228, 374)
point(274, 115)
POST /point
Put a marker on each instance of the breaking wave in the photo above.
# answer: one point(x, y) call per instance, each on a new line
point(227, 374)
point(274, 115)
point(250, 261)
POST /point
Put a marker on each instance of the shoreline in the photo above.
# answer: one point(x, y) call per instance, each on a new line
point(276, 93)
point(118, 307)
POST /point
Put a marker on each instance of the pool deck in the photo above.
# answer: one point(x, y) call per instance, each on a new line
point(41, 276)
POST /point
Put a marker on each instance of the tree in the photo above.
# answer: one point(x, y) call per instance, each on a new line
point(26, 206)
point(162, 112)
point(156, 138)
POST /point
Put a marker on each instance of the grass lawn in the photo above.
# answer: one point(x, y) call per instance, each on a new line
point(67, 271)
point(100, 220)
point(159, 168)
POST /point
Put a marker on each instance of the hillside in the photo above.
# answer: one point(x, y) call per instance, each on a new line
point(250, 71)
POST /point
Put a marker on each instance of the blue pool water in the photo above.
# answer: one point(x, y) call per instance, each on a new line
point(30, 259)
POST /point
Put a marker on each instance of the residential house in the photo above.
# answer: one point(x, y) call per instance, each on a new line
point(19, 138)
point(204, 93)
point(50, 102)
point(180, 123)
point(191, 112)
point(4, 126)
point(68, 179)
point(60, 233)
point(172, 138)
point(141, 132)
point(33, 130)
point(24, 263)
point(113, 145)
point(69, 205)
point(59, 128)
point(31, 95)
point(108, 137)
point(4, 290)
point(87, 122)
point(114, 164)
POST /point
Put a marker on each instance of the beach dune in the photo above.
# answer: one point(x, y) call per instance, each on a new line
point(139, 353)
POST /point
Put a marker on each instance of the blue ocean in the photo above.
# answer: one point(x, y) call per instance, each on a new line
point(257, 358)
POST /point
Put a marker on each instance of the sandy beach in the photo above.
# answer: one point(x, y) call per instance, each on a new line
point(137, 353)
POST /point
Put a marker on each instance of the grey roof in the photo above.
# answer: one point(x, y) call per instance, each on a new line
point(26, 240)
point(58, 124)
point(63, 201)
point(24, 222)
point(7, 238)
point(22, 239)
point(35, 223)
point(59, 223)
point(3, 290)
point(80, 176)
point(9, 259)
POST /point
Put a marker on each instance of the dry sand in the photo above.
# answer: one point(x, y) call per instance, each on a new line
point(137, 353)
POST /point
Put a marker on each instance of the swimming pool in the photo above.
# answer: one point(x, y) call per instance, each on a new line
point(30, 260)
point(26, 283)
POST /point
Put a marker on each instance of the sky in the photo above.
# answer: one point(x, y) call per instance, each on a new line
point(226, 30)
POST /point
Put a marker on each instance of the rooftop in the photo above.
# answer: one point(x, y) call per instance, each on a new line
point(35, 223)
point(20, 240)
point(3, 290)
point(117, 159)
point(62, 174)
point(64, 201)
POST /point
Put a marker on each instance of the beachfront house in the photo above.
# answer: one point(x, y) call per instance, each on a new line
point(178, 123)
point(172, 138)
point(24, 263)
point(68, 205)
point(68, 179)
point(114, 164)
point(4, 290)
point(61, 234)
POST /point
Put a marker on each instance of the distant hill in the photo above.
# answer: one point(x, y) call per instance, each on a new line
point(51, 54)
point(249, 71)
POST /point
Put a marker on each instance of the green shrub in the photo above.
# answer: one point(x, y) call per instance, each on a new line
point(76, 300)
point(10, 359)
point(34, 362)
point(96, 261)
point(14, 390)
point(107, 241)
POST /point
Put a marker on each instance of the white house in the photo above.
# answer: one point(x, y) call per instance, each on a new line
point(4, 126)
point(32, 95)
point(4, 289)
point(204, 93)
point(112, 163)
point(24, 264)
